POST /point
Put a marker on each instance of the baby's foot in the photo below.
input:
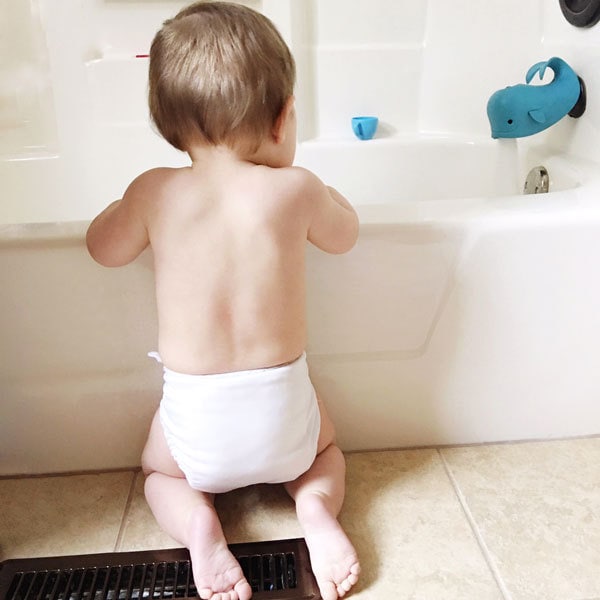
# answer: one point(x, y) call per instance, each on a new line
point(333, 558)
point(217, 574)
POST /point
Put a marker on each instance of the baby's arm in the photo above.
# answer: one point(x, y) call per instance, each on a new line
point(118, 235)
point(334, 222)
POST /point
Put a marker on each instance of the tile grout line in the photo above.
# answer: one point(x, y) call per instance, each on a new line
point(475, 529)
point(128, 503)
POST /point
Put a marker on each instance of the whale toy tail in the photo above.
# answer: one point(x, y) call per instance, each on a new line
point(522, 110)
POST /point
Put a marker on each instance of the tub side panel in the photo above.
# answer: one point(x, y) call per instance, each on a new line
point(78, 391)
point(513, 355)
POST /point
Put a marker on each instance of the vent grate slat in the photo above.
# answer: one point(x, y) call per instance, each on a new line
point(131, 582)
point(142, 585)
point(106, 575)
point(162, 580)
point(52, 593)
point(81, 580)
point(15, 586)
point(31, 586)
point(91, 577)
point(152, 583)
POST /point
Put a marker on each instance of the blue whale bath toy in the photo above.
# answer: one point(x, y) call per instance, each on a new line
point(523, 109)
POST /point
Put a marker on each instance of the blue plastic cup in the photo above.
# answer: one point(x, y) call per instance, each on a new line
point(364, 127)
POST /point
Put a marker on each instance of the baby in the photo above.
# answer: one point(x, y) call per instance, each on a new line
point(228, 234)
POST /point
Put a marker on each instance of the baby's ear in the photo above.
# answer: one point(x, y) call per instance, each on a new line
point(280, 126)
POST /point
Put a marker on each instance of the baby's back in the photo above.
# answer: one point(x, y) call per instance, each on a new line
point(229, 248)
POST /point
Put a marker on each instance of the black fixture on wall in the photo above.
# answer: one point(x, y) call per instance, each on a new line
point(581, 13)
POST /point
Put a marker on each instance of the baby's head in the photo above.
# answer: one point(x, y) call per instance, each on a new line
point(220, 73)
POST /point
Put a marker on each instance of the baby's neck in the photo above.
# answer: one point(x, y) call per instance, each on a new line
point(267, 154)
point(206, 156)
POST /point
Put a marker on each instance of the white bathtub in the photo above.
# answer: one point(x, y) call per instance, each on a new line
point(466, 313)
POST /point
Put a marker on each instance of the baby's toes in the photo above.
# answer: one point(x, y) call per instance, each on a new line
point(346, 584)
point(242, 590)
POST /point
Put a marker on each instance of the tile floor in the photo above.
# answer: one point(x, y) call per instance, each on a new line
point(514, 521)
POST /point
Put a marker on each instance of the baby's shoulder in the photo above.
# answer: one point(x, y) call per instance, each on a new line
point(297, 176)
point(148, 191)
point(296, 183)
point(154, 182)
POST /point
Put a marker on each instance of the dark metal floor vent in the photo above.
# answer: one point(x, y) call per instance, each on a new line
point(277, 570)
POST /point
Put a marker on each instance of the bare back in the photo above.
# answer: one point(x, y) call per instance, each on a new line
point(229, 248)
point(229, 240)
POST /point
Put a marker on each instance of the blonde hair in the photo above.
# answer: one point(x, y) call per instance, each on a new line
point(219, 72)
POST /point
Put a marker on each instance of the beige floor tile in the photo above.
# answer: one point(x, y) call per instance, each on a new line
point(50, 516)
point(252, 514)
point(537, 507)
point(140, 529)
point(400, 511)
point(409, 529)
point(264, 512)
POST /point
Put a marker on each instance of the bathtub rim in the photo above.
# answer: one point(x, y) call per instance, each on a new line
point(446, 212)
point(562, 206)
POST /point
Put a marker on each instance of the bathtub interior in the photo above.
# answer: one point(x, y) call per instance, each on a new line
point(432, 191)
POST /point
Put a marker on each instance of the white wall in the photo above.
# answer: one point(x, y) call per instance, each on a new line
point(27, 123)
point(427, 67)
point(430, 66)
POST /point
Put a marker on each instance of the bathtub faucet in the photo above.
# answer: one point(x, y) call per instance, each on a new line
point(523, 109)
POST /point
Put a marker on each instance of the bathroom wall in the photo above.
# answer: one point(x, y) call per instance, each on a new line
point(73, 93)
point(581, 49)
point(429, 67)
point(27, 124)
point(368, 56)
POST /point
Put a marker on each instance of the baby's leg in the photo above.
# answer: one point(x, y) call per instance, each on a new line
point(189, 516)
point(319, 494)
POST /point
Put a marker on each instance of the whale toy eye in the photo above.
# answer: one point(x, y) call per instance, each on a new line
point(510, 121)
